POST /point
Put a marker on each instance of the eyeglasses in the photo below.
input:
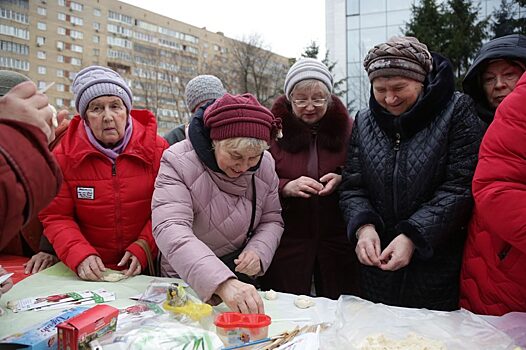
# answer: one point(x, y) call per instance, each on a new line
point(319, 102)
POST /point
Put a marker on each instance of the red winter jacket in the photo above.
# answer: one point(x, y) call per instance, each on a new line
point(103, 209)
point(29, 176)
point(493, 278)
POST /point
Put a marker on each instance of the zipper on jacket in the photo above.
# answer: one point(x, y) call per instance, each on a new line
point(395, 172)
point(117, 205)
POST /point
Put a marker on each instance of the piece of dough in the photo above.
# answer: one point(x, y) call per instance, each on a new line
point(114, 277)
point(411, 342)
point(271, 295)
point(304, 302)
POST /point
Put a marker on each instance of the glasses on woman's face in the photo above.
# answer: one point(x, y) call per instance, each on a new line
point(319, 102)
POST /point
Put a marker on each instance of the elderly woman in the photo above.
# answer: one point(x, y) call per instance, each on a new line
point(495, 72)
point(216, 203)
point(309, 159)
point(109, 157)
point(406, 190)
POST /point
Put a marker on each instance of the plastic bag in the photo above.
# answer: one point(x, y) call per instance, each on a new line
point(160, 333)
point(357, 319)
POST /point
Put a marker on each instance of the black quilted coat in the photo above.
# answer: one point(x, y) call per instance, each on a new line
point(412, 174)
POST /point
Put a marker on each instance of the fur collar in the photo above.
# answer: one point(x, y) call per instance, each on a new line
point(333, 129)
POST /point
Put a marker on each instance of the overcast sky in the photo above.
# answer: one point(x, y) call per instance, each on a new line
point(285, 26)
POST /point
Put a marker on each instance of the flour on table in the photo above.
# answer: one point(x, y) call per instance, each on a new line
point(411, 342)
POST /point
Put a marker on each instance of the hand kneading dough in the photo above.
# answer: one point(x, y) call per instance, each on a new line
point(304, 302)
point(411, 342)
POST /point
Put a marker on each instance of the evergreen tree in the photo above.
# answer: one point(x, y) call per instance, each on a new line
point(504, 22)
point(452, 29)
point(311, 51)
point(463, 35)
point(426, 24)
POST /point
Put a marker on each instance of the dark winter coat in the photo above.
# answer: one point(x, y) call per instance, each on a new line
point(314, 241)
point(508, 47)
point(412, 174)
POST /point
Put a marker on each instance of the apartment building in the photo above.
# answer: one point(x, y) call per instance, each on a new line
point(355, 26)
point(51, 40)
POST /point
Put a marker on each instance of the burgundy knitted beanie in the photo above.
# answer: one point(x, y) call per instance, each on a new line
point(240, 116)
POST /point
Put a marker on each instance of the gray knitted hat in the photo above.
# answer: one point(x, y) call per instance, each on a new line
point(307, 68)
point(399, 56)
point(202, 88)
point(9, 79)
point(97, 81)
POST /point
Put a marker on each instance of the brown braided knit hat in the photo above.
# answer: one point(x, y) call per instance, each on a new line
point(399, 56)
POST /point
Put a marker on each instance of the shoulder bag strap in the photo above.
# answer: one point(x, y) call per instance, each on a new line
point(253, 217)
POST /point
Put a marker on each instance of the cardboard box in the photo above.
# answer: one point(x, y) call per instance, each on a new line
point(42, 336)
point(77, 332)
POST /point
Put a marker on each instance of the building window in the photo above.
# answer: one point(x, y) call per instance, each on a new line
point(75, 34)
point(61, 2)
point(60, 45)
point(96, 52)
point(14, 31)
point(96, 39)
point(41, 11)
point(59, 102)
point(76, 48)
point(41, 40)
point(96, 12)
point(60, 59)
point(60, 87)
point(76, 61)
point(41, 26)
point(9, 46)
point(41, 55)
point(15, 63)
point(76, 6)
point(60, 73)
point(41, 70)
point(13, 15)
point(76, 21)
point(41, 84)
point(61, 16)
point(96, 26)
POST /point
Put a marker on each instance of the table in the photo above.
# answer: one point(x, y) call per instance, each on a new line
point(60, 279)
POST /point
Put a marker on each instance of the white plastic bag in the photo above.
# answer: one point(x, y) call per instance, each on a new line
point(356, 319)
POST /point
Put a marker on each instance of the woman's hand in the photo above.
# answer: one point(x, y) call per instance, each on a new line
point(331, 181)
point(39, 262)
point(134, 268)
point(368, 246)
point(397, 254)
point(303, 187)
point(240, 297)
point(91, 268)
point(248, 263)
point(8, 284)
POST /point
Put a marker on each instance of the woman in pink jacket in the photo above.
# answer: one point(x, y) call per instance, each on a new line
point(216, 195)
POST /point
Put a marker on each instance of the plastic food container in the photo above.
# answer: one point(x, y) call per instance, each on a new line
point(235, 328)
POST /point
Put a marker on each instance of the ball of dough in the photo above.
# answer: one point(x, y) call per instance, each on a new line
point(304, 302)
point(271, 295)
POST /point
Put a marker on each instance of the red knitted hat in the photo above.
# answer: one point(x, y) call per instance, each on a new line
point(240, 116)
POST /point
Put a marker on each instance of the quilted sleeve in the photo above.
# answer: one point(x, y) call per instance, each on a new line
point(450, 207)
point(354, 197)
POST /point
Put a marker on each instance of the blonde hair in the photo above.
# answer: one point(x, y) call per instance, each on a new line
point(241, 144)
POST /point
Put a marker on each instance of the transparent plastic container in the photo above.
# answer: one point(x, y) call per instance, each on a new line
point(236, 329)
